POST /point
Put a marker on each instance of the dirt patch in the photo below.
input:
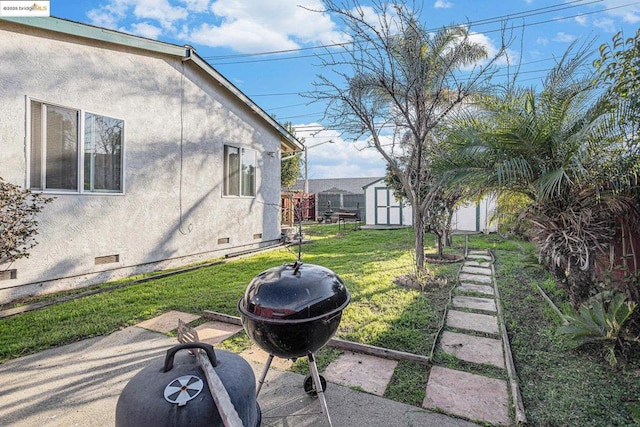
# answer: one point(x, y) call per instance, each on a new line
point(420, 282)
point(444, 259)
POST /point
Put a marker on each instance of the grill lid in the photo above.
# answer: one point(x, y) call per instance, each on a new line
point(294, 292)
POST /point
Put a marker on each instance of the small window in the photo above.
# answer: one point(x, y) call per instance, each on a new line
point(9, 274)
point(102, 153)
point(57, 133)
point(239, 171)
point(108, 259)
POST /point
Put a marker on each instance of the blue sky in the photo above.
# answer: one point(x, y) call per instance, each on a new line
point(236, 36)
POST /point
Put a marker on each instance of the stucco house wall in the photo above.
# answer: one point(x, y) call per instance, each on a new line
point(177, 119)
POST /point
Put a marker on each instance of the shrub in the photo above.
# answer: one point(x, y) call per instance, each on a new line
point(601, 320)
point(18, 225)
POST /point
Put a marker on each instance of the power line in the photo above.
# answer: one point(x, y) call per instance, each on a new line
point(527, 13)
point(524, 25)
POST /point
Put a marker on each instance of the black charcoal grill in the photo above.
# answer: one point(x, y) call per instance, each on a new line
point(292, 311)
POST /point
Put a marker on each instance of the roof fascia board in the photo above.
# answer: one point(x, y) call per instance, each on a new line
point(96, 33)
point(371, 183)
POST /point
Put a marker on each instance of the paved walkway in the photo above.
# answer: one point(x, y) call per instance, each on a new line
point(81, 382)
point(472, 334)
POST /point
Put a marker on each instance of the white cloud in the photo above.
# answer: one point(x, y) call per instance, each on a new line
point(197, 6)
point(581, 20)
point(564, 37)
point(622, 9)
point(491, 48)
point(159, 10)
point(102, 18)
point(146, 30)
point(605, 24)
point(245, 26)
point(442, 4)
point(280, 24)
point(542, 41)
point(242, 36)
point(339, 159)
point(116, 11)
point(631, 17)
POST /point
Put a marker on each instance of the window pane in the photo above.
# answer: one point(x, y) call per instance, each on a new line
point(36, 146)
point(102, 153)
point(61, 149)
point(231, 171)
point(248, 172)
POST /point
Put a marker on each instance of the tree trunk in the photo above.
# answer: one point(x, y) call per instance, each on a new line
point(418, 229)
point(440, 237)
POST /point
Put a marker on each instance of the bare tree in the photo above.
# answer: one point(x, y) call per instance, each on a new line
point(394, 84)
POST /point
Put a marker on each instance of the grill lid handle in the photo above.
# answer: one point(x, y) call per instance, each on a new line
point(208, 348)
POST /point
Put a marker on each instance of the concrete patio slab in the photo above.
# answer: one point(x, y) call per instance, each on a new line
point(487, 351)
point(472, 287)
point(215, 332)
point(256, 354)
point(371, 374)
point(480, 278)
point(79, 384)
point(474, 303)
point(167, 322)
point(468, 395)
point(476, 270)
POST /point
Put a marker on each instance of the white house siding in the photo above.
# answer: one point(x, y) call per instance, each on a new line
point(383, 209)
point(163, 177)
point(476, 216)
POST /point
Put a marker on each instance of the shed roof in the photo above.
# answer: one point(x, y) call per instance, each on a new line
point(336, 185)
point(185, 53)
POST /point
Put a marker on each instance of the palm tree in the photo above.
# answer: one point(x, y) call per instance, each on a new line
point(555, 146)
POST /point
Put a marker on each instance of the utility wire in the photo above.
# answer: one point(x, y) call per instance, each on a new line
point(532, 12)
point(524, 25)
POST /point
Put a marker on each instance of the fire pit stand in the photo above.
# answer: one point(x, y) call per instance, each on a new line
point(314, 384)
point(291, 311)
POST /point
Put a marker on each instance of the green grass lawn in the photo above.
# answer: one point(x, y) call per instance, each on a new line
point(559, 387)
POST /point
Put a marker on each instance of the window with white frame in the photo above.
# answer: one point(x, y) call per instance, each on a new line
point(239, 171)
point(76, 151)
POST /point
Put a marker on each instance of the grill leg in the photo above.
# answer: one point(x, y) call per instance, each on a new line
point(316, 381)
point(264, 374)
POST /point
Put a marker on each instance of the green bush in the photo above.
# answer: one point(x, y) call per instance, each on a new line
point(600, 320)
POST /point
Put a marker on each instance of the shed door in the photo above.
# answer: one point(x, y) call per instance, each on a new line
point(388, 209)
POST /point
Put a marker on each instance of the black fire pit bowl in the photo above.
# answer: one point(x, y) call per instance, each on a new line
point(293, 310)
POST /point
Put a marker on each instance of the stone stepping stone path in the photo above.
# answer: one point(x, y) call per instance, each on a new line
point(473, 322)
point(475, 303)
point(472, 334)
point(473, 288)
point(469, 395)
